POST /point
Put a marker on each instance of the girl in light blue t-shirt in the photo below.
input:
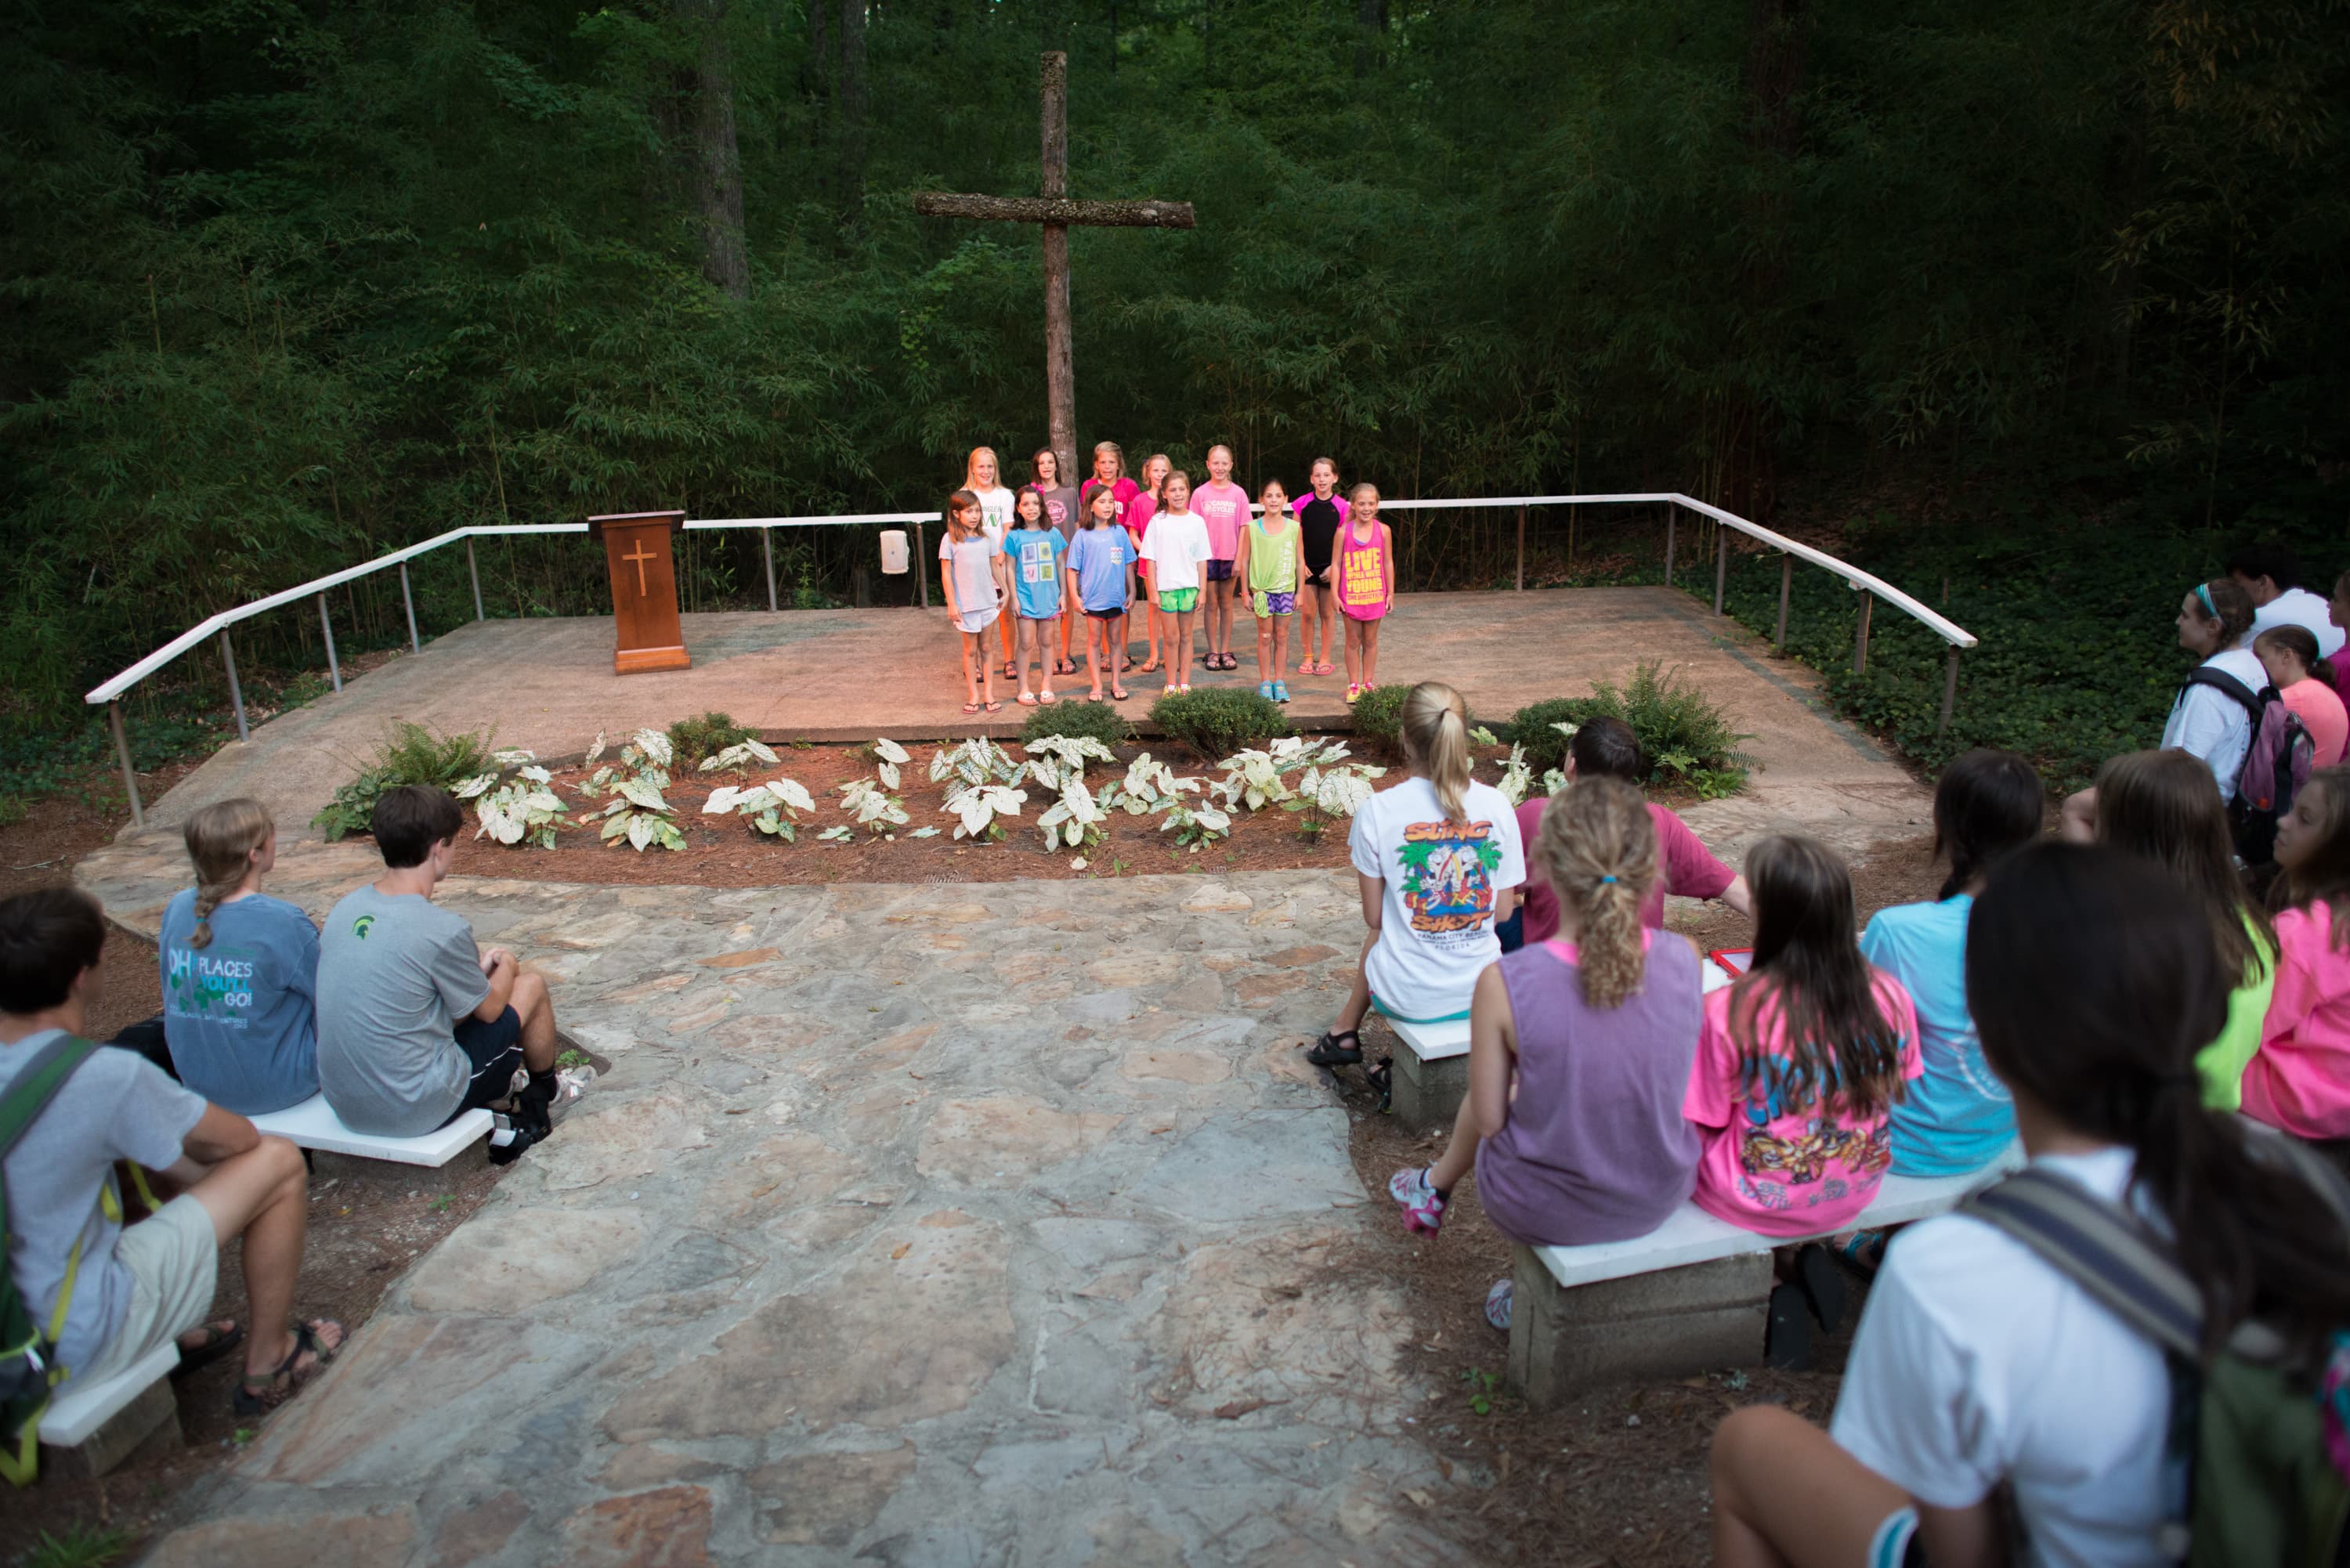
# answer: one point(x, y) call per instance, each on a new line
point(240, 970)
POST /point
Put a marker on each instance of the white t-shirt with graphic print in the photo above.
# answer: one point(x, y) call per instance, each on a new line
point(1443, 878)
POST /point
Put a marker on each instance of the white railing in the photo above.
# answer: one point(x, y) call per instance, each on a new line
point(1872, 588)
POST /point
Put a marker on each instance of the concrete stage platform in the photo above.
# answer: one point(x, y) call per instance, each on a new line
point(843, 675)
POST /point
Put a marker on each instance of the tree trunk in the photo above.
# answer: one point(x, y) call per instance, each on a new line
point(717, 172)
point(852, 109)
point(1775, 34)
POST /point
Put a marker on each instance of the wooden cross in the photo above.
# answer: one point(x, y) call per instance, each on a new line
point(640, 557)
point(1055, 211)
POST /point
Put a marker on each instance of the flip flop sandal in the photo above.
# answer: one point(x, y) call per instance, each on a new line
point(1116, 695)
point(245, 1401)
point(218, 1342)
point(995, 707)
point(1025, 700)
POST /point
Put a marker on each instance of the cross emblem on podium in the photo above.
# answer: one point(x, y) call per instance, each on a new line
point(640, 557)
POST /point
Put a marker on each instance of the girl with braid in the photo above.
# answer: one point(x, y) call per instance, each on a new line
point(240, 969)
point(1580, 1050)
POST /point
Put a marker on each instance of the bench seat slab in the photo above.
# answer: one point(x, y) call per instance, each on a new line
point(1673, 1323)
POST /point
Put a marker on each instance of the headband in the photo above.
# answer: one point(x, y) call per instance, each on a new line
point(1605, 881)
point(2203, 592)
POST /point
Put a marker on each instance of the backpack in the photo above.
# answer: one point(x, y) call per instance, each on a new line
point(2277, 760)
point(2261, 1437)
point(28, 1367)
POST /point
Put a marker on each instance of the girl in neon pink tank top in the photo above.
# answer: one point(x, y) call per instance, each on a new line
point(1365, 569)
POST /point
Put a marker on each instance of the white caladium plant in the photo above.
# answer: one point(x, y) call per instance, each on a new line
point(637, 814)
point(1258, 779)
point(1195, 825)
point(773, 808)
point(524, 809)
point(871, 806)
point(740, 755)
point(977, 761)
point(1518, 777)
point(888, 756)
point(975, 808)
point(1076, 819)
point(1554, 780)
point(1057, 758)
point(1338, 791)
point(1149, 785)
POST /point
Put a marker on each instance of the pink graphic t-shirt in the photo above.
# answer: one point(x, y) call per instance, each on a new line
point(1689, 868)
point(2298, 1080)
point(1778, 1171)
point(1226, 507)
point(1139, 514)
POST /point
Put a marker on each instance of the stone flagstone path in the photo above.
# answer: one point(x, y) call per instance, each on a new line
point(923, 1225)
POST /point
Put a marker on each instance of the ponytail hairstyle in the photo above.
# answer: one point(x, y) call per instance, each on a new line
point(2223, 600)
point(1598, 844)
point(2321, 878)
point(1270, 486)
point(956, 504)
point(1354, 496)
point(220, 839)
point(1435, 730)
point(1842, 1049)
point(2302, 643)
point(1986, 803)
point(2093, 982)
point(1116, 451)
point(2160, 806)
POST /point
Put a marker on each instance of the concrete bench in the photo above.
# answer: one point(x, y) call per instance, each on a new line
point(1689, 1296)
point(314, 1124)
point(95, 1426)
point(1431, 1071)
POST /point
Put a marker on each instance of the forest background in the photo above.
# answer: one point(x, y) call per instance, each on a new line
point(2033, 309)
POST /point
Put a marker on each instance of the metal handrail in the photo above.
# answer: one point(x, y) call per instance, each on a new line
point(110, 692)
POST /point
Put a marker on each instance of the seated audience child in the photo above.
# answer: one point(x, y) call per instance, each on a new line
point(2158, 806)
point(1439, 864)
point(2208, 720)
point(1802, 1059)
point(240, 969)
point(2304, 683)
point(1989, 1399)
point(1955, 1116)
point(2299, 1079)
point(1607, 748)
point(2270, 575)
point(417, 1026)
point(127, 1289)
point(1580, 1050)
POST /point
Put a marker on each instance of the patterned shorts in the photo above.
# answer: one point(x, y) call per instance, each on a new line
point(1269, 604)
point(1179, 601)
point(1219, 571)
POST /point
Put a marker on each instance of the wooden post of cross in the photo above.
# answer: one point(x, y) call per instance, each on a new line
point(1055, 212)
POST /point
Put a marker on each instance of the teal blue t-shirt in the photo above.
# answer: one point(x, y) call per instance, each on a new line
point(1037, 569)
point(1957, 1116)
point(240, 1013)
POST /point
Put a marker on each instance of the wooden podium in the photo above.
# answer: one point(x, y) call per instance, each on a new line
point(644, 589)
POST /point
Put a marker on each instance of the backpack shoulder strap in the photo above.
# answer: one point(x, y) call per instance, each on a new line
point(2102, 1248)
point(2228, 686)
point(38, 1084)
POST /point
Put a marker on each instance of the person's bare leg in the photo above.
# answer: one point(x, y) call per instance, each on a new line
point(1179, 653)
point(1353, 631)
point(1370, 653)
point(1281, 647)
point(969, 676)
point(263, 1195)
point(1359, 994)
point(1329, 606)
point(1267, 672)
point(1785, 1496)
point(536, 1008)
point(1459, 1155)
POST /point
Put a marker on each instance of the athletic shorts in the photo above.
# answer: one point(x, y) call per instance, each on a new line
point(1179, 601)
point(173, 1259)
point(1118, 613)
point(1039, 619)
point(495, 1051)
point(1270, 604)
point(1896, 1543)
point(978, 620)
point(1219, 571)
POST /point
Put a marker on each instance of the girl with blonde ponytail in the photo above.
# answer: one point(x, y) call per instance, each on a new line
point(1439, 865)
point(1579, 1052)
point(240, 969)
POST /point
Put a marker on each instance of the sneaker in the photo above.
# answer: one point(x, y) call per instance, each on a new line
point(1264, 690)
point(1423, 1206)
point(1498, 1301)
point(1281, 690)
point(1353, 691)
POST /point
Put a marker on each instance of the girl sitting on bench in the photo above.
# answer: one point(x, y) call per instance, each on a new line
point(1989, 1397)
point(2299, 1079)
point(1579, 1052)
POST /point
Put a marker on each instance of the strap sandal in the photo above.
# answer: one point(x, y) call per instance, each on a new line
point(1382, 1079)
point(289, 1378)
point(1331, 1052)
point(216, 1341)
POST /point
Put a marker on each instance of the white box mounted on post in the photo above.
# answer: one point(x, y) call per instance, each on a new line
point(893, 551)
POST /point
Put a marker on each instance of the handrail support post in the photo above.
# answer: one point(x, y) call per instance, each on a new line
point(1720, 565)
point(235, 694)
point(472, 571)
point(408, 599)
point(767, 554)
point(1786, 587)
point(1671, 517)
point(1521, 549)
point(122, 755)
point(327, 624)
point(921, 563)
point(1860, 636)
point(1949, 692)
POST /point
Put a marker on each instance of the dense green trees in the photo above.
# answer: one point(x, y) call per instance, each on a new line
point(289, 282)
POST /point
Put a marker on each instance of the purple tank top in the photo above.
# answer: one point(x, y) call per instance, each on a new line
point(1595, 1147)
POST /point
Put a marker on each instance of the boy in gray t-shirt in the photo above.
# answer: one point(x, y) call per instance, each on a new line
point(416, 1024)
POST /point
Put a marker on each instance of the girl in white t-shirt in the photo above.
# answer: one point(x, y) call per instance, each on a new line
point(1984, 1386)
point(1173, 550)
point(995, 520)
point(1439, 864)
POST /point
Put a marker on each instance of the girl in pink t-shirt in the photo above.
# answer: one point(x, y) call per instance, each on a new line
point(1799, 1063)
point(1148, 499)
point(2304, 683)
point(2299, 1079)
point(1225, 507)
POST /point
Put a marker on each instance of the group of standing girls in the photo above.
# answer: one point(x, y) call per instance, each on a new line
point(1053, 556)
point(2104, 1003)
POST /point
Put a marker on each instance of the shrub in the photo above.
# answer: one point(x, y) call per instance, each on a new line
point(1079, 721)
point(1217, 720)
point(409, 754)
point(692, 740)
point(1685, 739)
point(1378, 714)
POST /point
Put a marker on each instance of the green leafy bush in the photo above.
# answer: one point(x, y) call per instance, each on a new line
point(1378, 714)
point(692, 740)
point(1079, 720)
point(1685, 739)
point(409, 754)
point(1217, 720)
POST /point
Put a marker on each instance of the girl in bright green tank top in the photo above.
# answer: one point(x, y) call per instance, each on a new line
point(1267, 566)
